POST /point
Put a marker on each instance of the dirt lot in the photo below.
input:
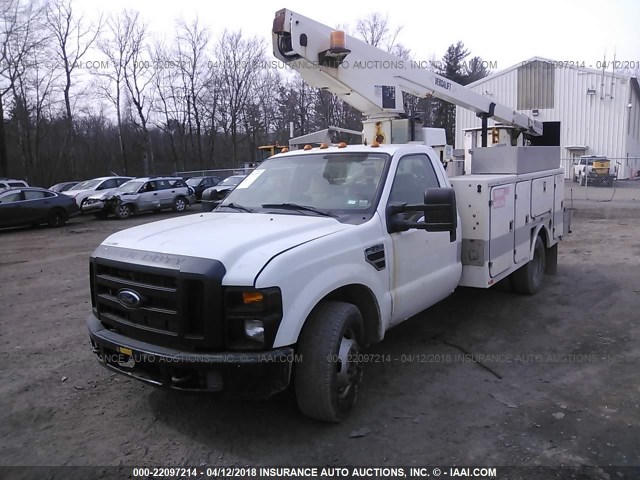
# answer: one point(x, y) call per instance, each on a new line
point(560, 386)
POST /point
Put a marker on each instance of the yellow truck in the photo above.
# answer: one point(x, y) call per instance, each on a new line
point(594, 170)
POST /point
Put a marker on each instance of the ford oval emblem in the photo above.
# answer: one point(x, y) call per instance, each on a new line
point(129, 298)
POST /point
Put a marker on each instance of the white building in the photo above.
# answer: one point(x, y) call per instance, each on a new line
point(584, 110)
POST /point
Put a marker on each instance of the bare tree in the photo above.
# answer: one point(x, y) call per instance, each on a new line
point(116, 48)
point(73, 39)
point(376, 30)
point(238, 59)
point(192, 42)
point(170, 110)
point(32, 97)
point(18, 40)
point(211, 102)
point(138, 78)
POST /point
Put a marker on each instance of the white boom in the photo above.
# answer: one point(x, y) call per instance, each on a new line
point(370, 79)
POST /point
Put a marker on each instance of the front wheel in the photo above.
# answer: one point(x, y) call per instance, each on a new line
point(528, 278)
point(328, 375)
point(179, 204)
point(123, 211)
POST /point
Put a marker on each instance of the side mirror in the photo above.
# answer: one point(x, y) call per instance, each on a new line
point(440, 213)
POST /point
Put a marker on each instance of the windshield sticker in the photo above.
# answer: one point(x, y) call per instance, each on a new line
point(252, 177)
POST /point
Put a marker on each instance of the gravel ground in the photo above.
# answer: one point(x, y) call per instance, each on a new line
point(553, 379)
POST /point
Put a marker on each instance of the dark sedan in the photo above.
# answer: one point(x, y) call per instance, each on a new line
point(62, 187)
point(211, 197)
point(34, 206)
point(200, 184)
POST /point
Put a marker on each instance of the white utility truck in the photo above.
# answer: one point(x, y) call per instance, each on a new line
point(319, 251)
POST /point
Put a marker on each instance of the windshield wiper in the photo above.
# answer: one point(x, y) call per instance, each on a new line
point(237, 207)
point(295, 206)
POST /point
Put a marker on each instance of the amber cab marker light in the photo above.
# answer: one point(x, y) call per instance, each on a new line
point(342, 145)
point(284, 150)
point(375, 144)
point(252, 297)
point(323, 146)
point(307, 147)
point(337, 40)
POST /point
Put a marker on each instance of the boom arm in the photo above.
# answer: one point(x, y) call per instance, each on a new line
point(370, 79)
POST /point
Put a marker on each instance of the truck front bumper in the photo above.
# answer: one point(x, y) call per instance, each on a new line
point(256, 374)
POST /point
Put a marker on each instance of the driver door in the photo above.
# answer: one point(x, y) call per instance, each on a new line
point(149, 198)
point(425, 267)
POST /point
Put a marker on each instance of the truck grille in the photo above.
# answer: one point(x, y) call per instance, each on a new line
point(173, 312)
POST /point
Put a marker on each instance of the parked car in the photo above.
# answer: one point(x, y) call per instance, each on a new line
point(211, 197)
point(62, 187)
point(200, 184)
point(141, 195)
point(11, 183)
point(34, 206)
point(84, 190)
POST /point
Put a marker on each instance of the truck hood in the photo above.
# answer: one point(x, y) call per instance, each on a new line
point(243, 242)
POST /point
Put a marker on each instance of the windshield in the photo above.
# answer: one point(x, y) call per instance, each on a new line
point(235, 180)
point(331, 182)
point(194, 181)
point(131, 186)
point(86, 185)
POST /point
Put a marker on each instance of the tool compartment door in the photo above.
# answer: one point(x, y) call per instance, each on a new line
point(522, 233)
point(501, 225)
point(542, 193)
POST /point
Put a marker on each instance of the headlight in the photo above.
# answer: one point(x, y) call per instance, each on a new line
point(254, 329)
point(252, 317)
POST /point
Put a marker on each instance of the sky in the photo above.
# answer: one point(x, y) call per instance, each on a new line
point(500, 31)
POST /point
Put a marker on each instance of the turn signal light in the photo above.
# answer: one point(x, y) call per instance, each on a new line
point(252, 297)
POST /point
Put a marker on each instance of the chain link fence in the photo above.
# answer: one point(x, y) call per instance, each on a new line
point(220, 172)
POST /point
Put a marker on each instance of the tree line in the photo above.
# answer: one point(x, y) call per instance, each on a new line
point(80, 99)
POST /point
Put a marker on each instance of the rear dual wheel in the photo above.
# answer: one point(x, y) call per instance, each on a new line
point(528, 278)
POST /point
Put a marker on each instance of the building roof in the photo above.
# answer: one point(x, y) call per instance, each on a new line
point(542, 59)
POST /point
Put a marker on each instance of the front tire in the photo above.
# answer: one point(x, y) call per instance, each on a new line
point(123, 211)
point(180, 204)
point(528, 278)
point(328, 376)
